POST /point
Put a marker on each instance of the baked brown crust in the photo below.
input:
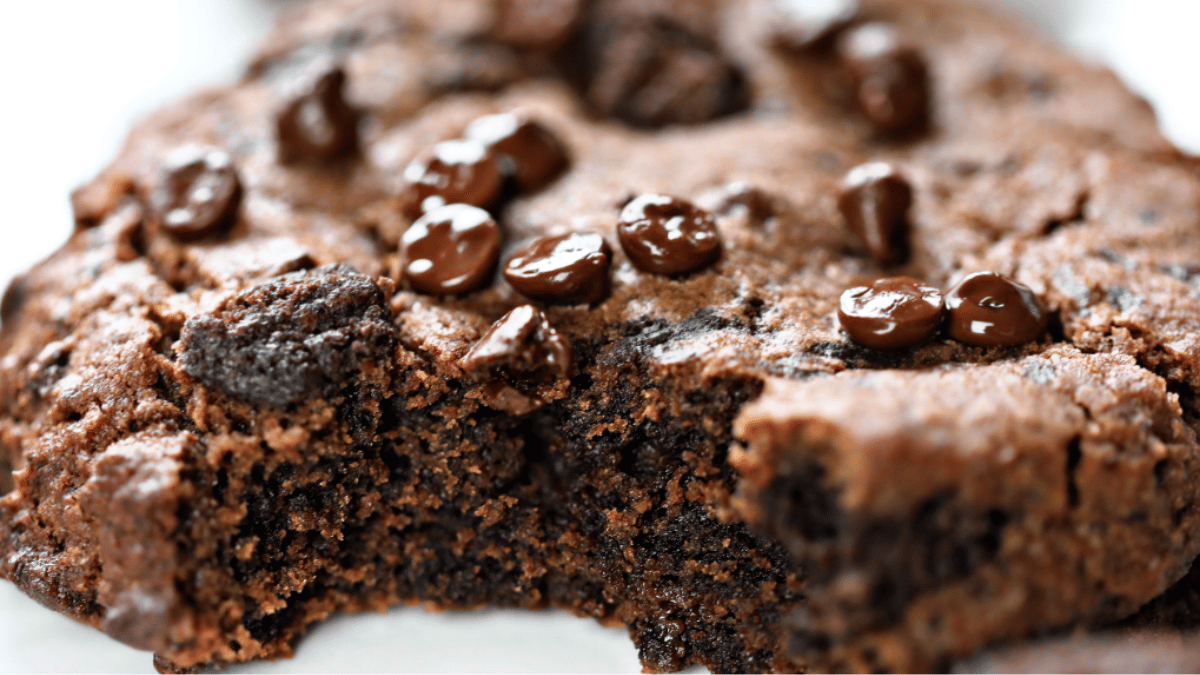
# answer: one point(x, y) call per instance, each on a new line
point(288, 431)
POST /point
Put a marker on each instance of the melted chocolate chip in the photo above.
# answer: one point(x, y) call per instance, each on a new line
point(526, 151)
point(874, 201)
point(318, 124)
point(811, 25)
point(520, 349)
point(892, 314)
point(196, 194)
point(654, 72)
point(570, 268)
point(451, 172)
point(450, 250)
point(665, 235)
point(990, 310)
point(758, 204)
point(891, 79)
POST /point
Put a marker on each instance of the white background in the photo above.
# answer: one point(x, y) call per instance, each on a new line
point(75, 74)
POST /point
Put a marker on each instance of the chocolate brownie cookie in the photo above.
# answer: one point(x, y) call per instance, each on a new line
point(527, 304)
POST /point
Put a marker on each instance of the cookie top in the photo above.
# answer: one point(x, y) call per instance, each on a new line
point(1025, 167)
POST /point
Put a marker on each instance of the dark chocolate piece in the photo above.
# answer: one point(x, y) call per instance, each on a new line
point(569, 268)
point(526, 150)
point(665, 235)
point(450, 250)
point(891, 79)
point(874, 201)
point(651, 73)
point(758, 204)
point(892, 314)
point(990, 310)
point(196, 194)
point(521, 347)
point(451, 172)
point(317, 124)
point(300, 335)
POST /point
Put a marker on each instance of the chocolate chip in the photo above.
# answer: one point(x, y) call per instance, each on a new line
point(196, 193)
point(520, 349)
point(570, 268)
point(318, 124)
point(526, 151)
point(651, 73)
point(665, 235)
point(450, 250)
point(874, 201)
point(542, 25)
point(990, 310)
point(758, 204)
point(451, 172)
point(892, 314)
point(811, 25)
point(284, 340)
point(891, 79)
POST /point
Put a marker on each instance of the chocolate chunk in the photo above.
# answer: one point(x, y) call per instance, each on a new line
point(196, 193)
point(758, 204)
point(450, 250)
point(875, 200)
point(990, 310)
point(542, 25)
point(665, 235)
point(318, 124)
point(891, 79)
point(451, 172)
point(519, 350)
point(892, 314)
point(570, 268)
point(655, 73)
point(285, 340)
point(526, 151)
point(810, 25)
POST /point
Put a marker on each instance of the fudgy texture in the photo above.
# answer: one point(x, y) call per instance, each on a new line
point(216, 443)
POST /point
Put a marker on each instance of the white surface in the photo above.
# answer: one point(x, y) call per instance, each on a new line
point(78, 73)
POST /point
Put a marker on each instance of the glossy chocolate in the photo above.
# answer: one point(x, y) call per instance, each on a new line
point(892, 314)
point(567, 269)
point(196, 194)
point(318, 124)
point(810, 25)
point(450, 250)
point(891, 79)
point(526, 151)
point(665, 235)
point(451, 172)
point(874, 201)
point(990, 310)
point(651, 72)
point(521, 348)
point(759, 206)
